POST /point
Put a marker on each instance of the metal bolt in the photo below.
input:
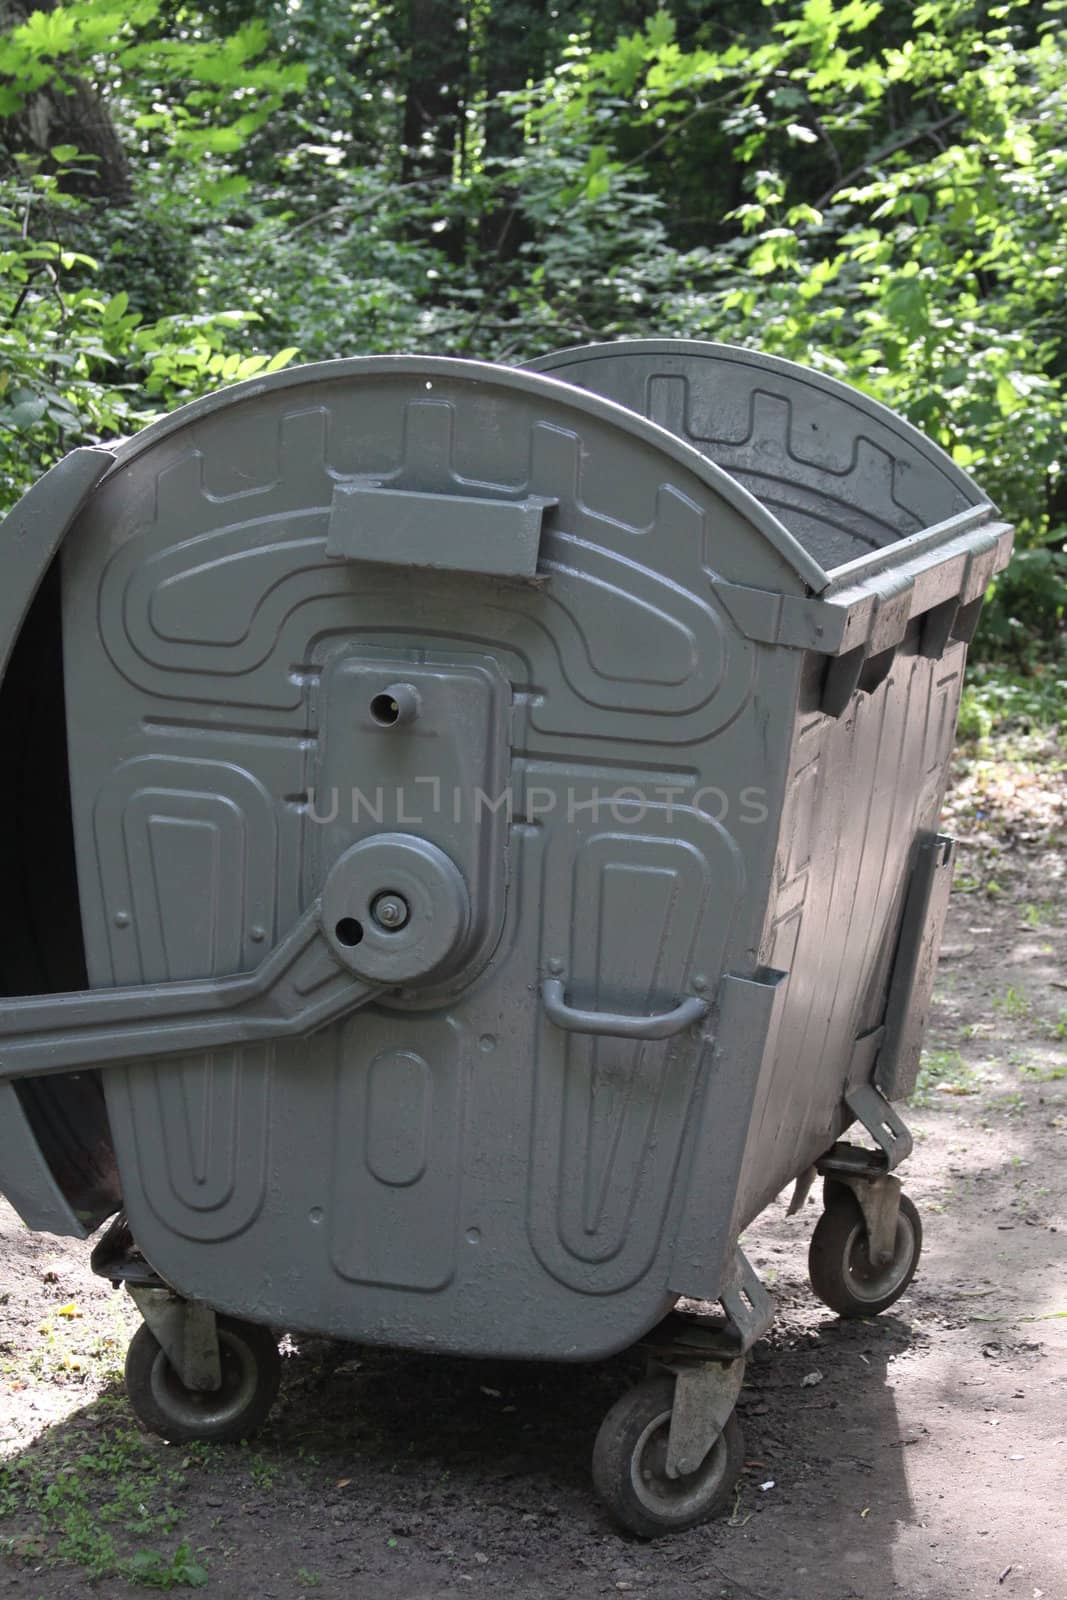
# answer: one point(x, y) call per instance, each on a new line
point(390, 911)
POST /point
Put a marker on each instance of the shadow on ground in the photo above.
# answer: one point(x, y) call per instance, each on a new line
point(430, 1476)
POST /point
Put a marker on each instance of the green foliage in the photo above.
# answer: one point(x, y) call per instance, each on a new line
point(224, 86)
point(77, 365)
point(902, 225)
point(999, 698)
point(930, 272)
point(82, 356)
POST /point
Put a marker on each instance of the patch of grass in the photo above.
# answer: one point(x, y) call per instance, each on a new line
point(309, 1580)
point(1040, 1072)
point(72, 1349)
point(165, 1572)
point(1012, 1004)
point(1038, 914)
point(264, 1474)
point(97, 1509)
point(943, 1072)
point(1012, 1104)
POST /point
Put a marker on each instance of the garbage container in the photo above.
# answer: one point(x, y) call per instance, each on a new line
point(480, 847)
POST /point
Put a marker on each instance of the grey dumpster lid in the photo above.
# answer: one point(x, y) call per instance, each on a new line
point(856, 484)
point(483, 375)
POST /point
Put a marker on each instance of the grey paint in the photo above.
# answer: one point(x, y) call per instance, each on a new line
point(33, 531)
point(911, 987)
point(305, 982)
point(615, 1025)
point(846, 476)
point(24, 1175)
point(443, 532)
point(448, 1168)
point(30, 535)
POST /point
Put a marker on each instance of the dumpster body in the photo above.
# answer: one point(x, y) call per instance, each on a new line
point(503, 840)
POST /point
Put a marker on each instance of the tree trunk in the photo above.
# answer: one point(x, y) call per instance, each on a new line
point(67, 111)
point(437, 69)
point(514, 52)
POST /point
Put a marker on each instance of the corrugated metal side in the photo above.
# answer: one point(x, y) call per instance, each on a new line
point(861, 789)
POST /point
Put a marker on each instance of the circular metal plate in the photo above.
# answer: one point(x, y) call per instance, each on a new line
point(425, 879)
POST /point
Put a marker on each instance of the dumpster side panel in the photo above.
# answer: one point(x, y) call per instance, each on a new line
point(863, 791)
point(447, 1169)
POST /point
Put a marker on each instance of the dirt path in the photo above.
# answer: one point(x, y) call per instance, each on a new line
point(928, 1458)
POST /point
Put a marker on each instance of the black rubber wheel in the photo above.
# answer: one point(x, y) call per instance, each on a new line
point(630, 1459)
point(839, 1262)
point(251, 1369)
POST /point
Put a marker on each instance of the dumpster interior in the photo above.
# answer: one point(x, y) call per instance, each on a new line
point(843, 474)
point(41, 940)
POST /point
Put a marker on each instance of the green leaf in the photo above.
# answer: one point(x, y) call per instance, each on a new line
point(27, 412)
point(282, 359)
point(217, 190)
point(116, 307)
point(818, 13)
point(920, 207)
point(803, 213)
point(74, 258)
point(1008, 398)
point(64, 152)
point(660, 29)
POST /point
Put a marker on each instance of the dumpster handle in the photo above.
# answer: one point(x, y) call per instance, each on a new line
point(614, 1023)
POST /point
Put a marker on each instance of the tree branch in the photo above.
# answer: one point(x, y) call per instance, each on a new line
point(931, 131)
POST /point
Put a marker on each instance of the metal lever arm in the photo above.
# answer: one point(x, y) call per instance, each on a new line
point(300, 986)
point(615, 1024)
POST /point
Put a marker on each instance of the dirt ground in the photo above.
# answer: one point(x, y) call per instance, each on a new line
point(921, 1454)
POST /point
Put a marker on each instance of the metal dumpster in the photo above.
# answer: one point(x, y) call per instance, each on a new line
point(474, 843)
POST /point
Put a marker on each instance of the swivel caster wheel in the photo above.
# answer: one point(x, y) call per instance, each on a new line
point(630, 1465)
point(251, 1369)
point(839, 1263)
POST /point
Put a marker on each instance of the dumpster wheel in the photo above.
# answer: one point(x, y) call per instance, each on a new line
point(251, 1369)
point(630, 1462)
point(839, 1264)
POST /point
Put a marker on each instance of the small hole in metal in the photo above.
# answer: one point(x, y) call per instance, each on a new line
point(349, 932)
point(384, 710)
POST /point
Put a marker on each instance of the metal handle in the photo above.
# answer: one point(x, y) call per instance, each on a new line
point(614, 1023)
point(445, 532)
point(299, 987)
point(330, 963)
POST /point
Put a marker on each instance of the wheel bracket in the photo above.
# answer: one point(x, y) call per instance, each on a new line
point(748, 1305)
point(705, 1393)
point(708, 1361)
point(185, 1331)
point(878, 1197)
point(888, 1130)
